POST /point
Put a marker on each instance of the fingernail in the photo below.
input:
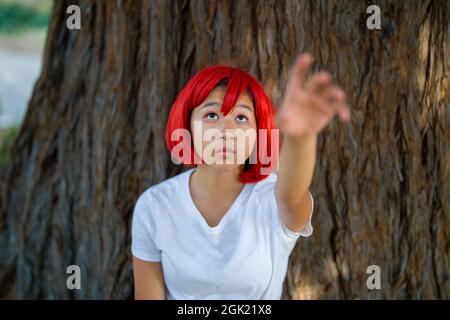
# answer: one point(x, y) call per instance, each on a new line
point(347, 115)
point(339, 93)
point(307, 57)
point(325, 75)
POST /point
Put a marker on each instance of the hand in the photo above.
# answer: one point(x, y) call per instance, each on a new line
point(309, 104)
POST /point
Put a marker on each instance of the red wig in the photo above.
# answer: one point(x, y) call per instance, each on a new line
point(236, 82)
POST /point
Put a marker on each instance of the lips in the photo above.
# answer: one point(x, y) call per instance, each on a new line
point(225, 150)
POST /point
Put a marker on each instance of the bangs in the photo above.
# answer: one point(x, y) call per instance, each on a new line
point(233, 80)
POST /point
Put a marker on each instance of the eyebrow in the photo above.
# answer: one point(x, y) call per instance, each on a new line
point(216, 103)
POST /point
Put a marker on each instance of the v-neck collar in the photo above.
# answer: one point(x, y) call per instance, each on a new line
point(197, 214)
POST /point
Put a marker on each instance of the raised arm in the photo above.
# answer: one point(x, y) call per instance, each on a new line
point(308, 105)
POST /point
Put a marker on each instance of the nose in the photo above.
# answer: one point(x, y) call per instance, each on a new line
point(227, 124)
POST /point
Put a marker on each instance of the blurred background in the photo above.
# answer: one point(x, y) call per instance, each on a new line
point(23, 28)
point(82, 136)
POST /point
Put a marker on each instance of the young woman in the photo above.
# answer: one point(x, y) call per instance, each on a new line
point(224, 228)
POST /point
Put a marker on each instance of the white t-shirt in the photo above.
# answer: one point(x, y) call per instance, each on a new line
point(244, 257)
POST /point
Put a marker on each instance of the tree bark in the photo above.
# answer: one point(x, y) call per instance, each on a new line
point(93, 140)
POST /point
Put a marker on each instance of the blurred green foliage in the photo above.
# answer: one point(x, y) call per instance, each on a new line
point(7, 137)
point(20, 15)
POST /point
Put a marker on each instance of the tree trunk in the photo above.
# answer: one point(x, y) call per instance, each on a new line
point(93, 140)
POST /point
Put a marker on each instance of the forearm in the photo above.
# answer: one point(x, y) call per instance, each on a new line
point(308, 105)
point(296, 168)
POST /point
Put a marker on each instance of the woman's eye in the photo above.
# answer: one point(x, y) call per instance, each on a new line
point(241, 118)
point(212, 116)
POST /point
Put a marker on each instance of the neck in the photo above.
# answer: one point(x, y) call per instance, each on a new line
point(217, 182)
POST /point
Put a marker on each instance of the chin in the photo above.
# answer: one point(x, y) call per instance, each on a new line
point(225, 167)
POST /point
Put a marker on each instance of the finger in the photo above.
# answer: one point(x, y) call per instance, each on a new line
point(300, 71)
point(289, 113)
point(338, 101)
point(319, 82)
point(297, 122)
point(321, 106)
point(332, 94)
point(330, 102)
point(344, 113)
point(314, 103)
point(305, 62)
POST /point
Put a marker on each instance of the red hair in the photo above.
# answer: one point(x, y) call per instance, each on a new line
point(236, 82)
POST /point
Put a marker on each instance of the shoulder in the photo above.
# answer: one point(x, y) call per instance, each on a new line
point(166, 188)
point(161, 196)
point(267, 184)
point(152, 204)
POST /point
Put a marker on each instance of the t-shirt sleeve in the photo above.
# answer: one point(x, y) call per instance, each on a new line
point(284, 230)
point(143, 245)
point(268, 197)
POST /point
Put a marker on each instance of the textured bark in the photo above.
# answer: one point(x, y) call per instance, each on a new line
point(92, 140)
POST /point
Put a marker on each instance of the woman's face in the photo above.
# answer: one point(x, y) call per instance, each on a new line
point(224, 140)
